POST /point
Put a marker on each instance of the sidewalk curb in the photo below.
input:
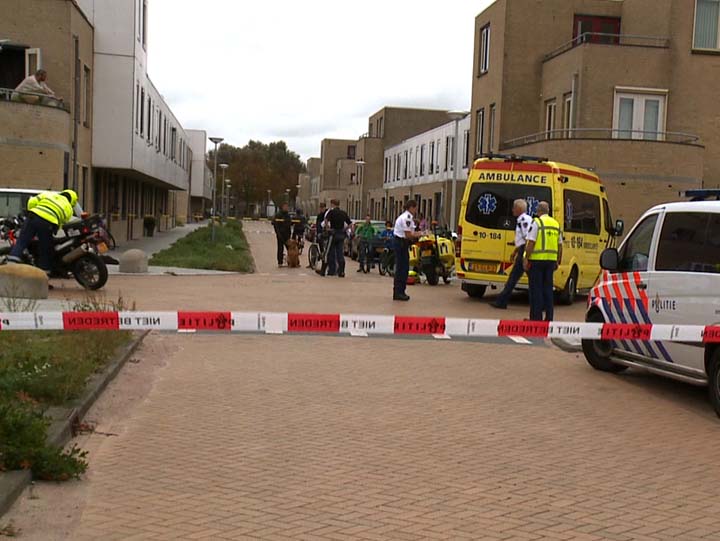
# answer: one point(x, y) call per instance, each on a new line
point(60, 432)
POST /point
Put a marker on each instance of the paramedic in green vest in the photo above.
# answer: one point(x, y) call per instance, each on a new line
point(47, 212)
point(543, 254)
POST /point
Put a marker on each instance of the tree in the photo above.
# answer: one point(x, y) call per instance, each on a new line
point(258, 167)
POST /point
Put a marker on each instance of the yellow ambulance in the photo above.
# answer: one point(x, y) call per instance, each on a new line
point(486, 227)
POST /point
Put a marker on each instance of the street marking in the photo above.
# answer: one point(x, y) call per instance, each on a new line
point(442, 337)
point(519, 340)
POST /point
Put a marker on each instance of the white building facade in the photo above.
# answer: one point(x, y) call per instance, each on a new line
point(141, 154)
point(201, 177)
point(423, 168)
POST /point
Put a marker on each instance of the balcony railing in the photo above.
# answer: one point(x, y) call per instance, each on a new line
point(43, 100)
point(604, 134)
point(626, 40)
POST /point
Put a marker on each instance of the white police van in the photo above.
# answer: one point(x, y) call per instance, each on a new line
point(667, 271)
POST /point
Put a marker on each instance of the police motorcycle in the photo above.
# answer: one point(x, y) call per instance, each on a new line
point(77, 254)
point(434, 256)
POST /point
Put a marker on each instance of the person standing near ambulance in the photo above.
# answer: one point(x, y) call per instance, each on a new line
point(543, 254)
point(403, 233)
point(524, 221)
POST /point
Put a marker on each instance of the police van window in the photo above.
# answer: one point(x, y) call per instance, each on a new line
point(582, 212)
point(689, 242)
point(490, 205)
point(635, 253)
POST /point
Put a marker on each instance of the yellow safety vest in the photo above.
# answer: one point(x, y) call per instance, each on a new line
point(548, 239)
point(51, 206)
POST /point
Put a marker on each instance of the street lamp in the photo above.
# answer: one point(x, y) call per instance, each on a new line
point(224, 167)
point(455, 116)
point(361, 181)
point(226, 198)
point(216, 141)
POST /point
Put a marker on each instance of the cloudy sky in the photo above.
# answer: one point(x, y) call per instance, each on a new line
point(305, 70)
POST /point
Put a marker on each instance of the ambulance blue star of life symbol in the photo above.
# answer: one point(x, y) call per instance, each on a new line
point(487, 204)
point(532, 204)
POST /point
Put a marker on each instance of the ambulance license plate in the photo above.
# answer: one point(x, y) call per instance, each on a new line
point(483, 266)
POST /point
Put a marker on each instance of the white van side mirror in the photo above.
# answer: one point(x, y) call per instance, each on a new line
point(610, 260)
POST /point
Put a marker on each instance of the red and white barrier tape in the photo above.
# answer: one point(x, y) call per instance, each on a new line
point(350, 324)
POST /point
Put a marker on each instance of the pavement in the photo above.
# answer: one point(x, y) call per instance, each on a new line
point(319, 438)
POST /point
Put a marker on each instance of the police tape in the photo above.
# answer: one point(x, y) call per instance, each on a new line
point(351, 324)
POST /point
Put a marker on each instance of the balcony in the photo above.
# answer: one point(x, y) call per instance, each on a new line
point(600, 134)
point(28, 98)
point(620, 40)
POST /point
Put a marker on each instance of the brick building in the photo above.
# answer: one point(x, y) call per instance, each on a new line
point(626, 88)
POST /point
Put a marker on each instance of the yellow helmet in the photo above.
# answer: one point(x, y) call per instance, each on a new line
point(71, 195)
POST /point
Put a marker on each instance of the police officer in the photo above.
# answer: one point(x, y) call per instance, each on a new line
point(524, 221)
point(337, 221)
point(47, 212)
point(283, 229)
point(543, 254)
point(403, 233)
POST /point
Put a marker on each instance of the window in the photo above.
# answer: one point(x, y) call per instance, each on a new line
point(689, 242)
point(609, 225)
point(451, 150)
point(491, 131)
point(422, 160)
point(596, 29)
point(370, 129)
point(490, 204)
point(417, 160)
point(144, 26)
point(142, 111)
point(484, 49)
point(381, 127)
point(568, 115)
point(431, 169)
point(149, 120)
point(437, 162)
point(87, 92)
point(582, 212)
point(405, 168)
point(550, 108)
point(639, 115)
point(466, 148)
point(351, 152)
point(707, 17)
point(635, 252)
point(137, 107)
point(480, 132)
point(33, 61)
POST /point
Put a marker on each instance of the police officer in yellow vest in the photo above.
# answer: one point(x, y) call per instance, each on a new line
point(543, 254)
point(47, 212)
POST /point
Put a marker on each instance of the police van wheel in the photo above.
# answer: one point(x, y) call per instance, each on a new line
point(569, 293)
point(714, 380)
point(597, 352)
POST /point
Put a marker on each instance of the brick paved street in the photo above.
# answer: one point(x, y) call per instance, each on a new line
point(231, 437)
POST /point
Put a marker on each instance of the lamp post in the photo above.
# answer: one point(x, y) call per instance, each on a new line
point(226, 198)
point(297, 194)
point(456, 116)
point(361, 182)
point(216, 141)
point(267, 208)
point(224, 167)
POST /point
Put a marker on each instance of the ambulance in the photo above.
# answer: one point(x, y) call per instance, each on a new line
point(666, 272)
point(486, 227)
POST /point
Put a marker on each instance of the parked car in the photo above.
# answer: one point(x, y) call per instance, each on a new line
point(666, 272)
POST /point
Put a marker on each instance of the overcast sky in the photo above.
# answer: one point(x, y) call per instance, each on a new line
point(302, 71)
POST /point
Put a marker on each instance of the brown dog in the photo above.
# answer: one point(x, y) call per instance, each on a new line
point(293, 254)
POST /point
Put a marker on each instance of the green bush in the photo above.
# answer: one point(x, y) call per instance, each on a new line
point(229, 252)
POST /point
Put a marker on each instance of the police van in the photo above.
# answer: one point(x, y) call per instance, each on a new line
point(666, 272)
point(486, 225)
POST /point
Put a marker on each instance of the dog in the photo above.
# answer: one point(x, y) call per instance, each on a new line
point(293, 254)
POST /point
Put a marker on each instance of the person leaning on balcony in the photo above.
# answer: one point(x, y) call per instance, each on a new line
point(35, 84)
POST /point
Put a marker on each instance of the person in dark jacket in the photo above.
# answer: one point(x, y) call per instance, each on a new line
point(283, 230)
point(337, 221)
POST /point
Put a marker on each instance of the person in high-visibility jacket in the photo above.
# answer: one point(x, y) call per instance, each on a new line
point(543, 254)
point(47, 212)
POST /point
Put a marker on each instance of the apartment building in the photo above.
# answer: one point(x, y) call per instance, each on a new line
point(46, 143)
point(338, 168)
point(201, 177)
point(626, 88)
point(425, 167)
point(308, 184)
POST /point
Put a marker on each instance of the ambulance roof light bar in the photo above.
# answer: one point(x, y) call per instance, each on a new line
point(702, 195)
point(513, 157)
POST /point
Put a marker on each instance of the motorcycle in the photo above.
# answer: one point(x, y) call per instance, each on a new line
point(434, 256)
point(78, 253)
